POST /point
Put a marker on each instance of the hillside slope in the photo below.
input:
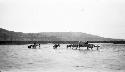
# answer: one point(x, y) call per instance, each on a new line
point(6, 35)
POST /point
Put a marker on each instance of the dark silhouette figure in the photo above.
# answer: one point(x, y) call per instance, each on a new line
point(56, 45)
point(33, 46)
point(39, 45)
point(86, 42)
point(69, 46)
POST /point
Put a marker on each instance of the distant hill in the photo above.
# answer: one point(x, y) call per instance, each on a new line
point(6, 35)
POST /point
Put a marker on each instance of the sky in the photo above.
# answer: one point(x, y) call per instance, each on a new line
point(104, 18)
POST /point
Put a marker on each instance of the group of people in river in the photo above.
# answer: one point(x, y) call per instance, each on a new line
point(76, 46)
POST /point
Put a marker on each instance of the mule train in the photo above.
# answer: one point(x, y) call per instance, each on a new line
point(78, 46)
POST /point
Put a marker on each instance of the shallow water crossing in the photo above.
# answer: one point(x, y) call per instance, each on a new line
point(18, 58)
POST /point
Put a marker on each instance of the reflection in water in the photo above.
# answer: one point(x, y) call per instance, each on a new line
point(85, 51)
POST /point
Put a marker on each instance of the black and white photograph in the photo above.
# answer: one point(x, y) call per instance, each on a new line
point(62, 35)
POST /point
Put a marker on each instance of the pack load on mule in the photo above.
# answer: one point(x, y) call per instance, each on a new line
point(33, 46)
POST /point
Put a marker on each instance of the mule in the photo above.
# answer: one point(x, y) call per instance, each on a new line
point(30, 46)
point(56, 45)
point(90, 46)
point(75, 45)
point(69, 46)
point(33, 46)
